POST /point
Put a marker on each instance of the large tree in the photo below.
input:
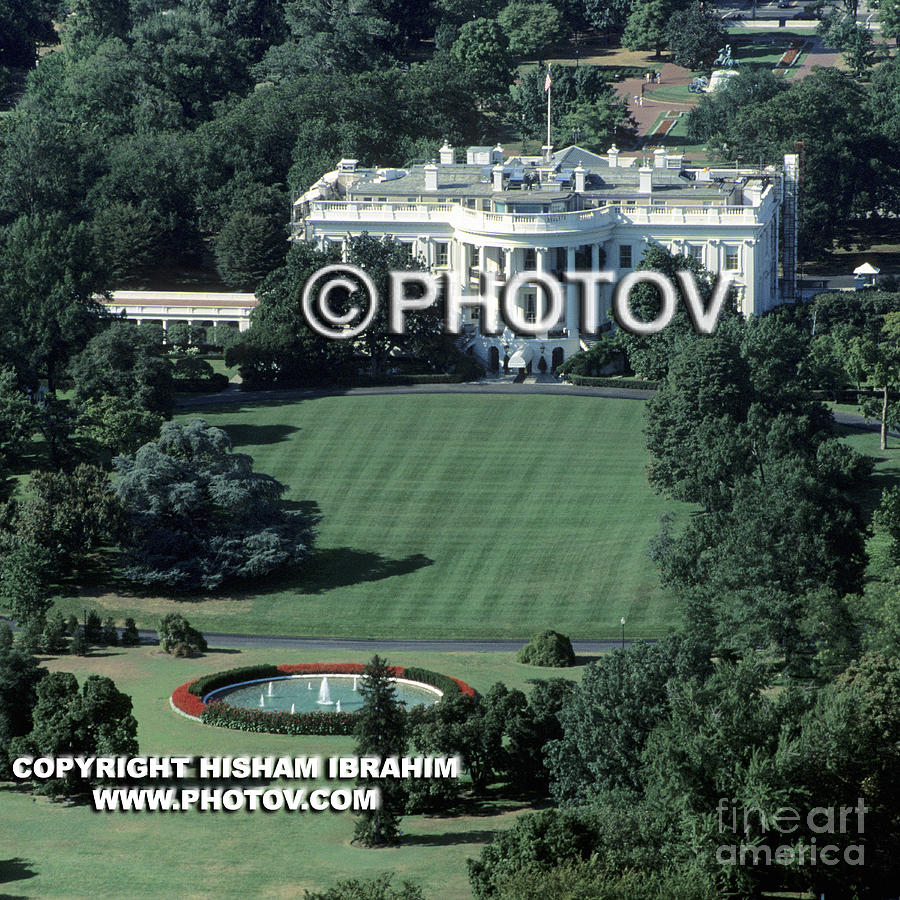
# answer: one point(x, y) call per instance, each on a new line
point(48, 282)
point(125, 361)
point(380, 731)
point(647, 26)
point(92, 720)
point(695, 36)
point(198, 516)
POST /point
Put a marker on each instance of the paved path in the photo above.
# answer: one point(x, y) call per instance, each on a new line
point(233, 395)
point(558, 388)
point(283, 642)
point(645, 115)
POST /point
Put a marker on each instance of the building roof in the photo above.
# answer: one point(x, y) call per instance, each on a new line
point(521, 180)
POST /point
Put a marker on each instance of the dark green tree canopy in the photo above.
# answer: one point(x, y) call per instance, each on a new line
point(198, 516)
point(125, 361)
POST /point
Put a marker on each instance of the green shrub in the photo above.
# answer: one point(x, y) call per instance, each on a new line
point(549, 648)
point(268, 722)
point(636, 384)
point(202, 686)
point(443, 683)
point(195, 375)
point(174, 630)
point(130, 636)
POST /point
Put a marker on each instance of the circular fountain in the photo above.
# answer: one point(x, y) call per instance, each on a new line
point(315, 693)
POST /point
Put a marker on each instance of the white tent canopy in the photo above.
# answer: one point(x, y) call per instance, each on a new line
point(866, 269)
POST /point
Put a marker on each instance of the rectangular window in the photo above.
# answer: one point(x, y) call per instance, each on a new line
point(475, 313)
point(407, 247)
point(485, 205)
point(441, 253)
point(695, 251)
point(732, 259)
point(530, 260)
point(530, 307)
point(625, 256)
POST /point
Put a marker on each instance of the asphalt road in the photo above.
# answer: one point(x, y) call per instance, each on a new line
point(282, 642)
point(556, 389)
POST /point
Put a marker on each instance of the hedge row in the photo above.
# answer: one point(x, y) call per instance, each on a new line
point(443, 683)
point(203, 685)
point(631, 383)
point(227, 716)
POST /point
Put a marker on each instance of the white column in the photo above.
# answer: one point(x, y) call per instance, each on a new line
point(543, 265)
point(571, 312)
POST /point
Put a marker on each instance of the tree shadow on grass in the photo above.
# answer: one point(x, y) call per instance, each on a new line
point(249, 435)
point(15, 869)
point(449, 838)
point(342, 567)
point(337, 567)
point(585, 659)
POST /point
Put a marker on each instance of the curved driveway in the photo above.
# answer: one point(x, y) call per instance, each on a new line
point(237, 396)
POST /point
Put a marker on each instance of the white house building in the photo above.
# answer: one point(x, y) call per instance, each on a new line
point(568, 210)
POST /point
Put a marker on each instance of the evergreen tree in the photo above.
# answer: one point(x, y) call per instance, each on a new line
point(130, 636)
point(380, 732)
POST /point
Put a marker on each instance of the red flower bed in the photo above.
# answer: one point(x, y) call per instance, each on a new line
point(184, 701)
point(192, 705)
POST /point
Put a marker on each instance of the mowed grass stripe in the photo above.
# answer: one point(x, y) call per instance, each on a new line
point(454, 516)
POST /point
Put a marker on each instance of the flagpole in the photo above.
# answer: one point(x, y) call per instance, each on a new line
point(549, 90)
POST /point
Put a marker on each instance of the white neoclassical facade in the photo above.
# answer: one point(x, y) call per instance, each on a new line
point(566, 211)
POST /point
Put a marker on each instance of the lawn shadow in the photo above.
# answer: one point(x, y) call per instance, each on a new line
point(337, 567)
point(226, 650)
point(448, 838)
point(15, 869)
point(249, 435)
point(586, 659)
point(342, 567)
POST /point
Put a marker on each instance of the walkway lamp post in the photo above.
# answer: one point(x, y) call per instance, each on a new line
point(623, 631)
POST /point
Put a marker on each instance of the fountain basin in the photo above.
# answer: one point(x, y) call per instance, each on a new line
point(208, 699)
point(337, 696)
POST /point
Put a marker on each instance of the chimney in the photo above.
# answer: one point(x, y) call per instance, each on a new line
point(497, 173)
point(447, 155)
point(646, 180)
point(659, 158)
point(497, 153)
point(431, 183)
point(612, 156)
point(580, 173)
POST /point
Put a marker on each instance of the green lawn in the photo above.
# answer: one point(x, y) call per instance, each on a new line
point(449, 516)
point(52, 850)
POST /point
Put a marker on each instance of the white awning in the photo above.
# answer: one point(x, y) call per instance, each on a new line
point(866, 269)
point(521, 357)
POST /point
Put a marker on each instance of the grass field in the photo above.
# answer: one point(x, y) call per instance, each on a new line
point(449, 516)
point(56, 851)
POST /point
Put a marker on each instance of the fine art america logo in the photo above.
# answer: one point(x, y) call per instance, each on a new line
point(497, 303)
point(782, 835)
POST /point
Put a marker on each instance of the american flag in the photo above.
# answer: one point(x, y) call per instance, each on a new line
point(548, 80)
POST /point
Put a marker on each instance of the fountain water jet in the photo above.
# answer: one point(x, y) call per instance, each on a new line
point(271, 688)
point(324, 694)
point(292, 709)
point(262, 701)
point(337, 706)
